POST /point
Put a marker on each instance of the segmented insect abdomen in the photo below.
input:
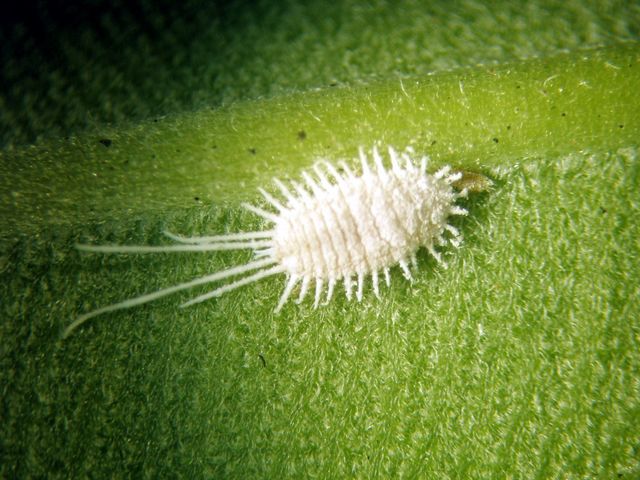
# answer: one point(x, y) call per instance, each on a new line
point(353, 227)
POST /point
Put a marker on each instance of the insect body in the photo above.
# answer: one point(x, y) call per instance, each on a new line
point(335, 227)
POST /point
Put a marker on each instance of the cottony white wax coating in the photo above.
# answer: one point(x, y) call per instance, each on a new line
point(337, 226)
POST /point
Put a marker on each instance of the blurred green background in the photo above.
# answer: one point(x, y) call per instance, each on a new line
point(69, 66)
point(120, 119)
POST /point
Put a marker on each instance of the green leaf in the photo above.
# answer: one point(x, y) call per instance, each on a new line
point(519, 360)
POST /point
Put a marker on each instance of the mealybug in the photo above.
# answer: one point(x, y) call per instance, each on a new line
point(336, 226)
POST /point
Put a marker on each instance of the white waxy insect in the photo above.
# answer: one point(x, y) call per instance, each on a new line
point(336, 227)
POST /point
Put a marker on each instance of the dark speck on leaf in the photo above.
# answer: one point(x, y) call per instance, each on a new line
point(495, 140)
point(302, 135)
point(252, 151)
point(106, 142)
